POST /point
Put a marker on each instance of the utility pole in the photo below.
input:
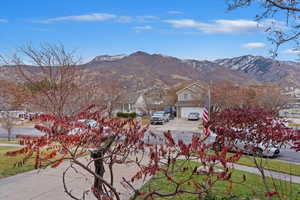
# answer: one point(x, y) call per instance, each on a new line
point(209, 99)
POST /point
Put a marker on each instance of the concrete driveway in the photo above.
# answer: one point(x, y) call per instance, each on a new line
point(178, 125)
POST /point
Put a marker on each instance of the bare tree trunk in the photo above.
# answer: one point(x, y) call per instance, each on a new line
point(9, 134)
point(109, 110)
point(7, 124)
point(99, 170)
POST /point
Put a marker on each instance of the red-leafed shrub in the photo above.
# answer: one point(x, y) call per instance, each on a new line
point(257, 130)
point(112, 141)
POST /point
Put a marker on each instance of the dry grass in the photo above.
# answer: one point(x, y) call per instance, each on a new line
point(294, 125)
point(6, 141)
point(145, 121)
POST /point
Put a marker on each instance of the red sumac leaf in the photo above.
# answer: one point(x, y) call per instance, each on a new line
point(56, 163)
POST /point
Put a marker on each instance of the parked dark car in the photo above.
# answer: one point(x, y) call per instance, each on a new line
point(159, 117)
point(171, 111)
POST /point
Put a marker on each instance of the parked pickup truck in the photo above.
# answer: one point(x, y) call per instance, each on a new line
point(159, 117)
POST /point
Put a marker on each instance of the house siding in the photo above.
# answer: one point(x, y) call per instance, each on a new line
point(189, 97)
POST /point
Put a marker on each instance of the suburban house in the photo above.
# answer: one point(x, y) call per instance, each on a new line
point(191, 99)
point(292, 92)
point(143, 102)
point(292, 109)
point(133, 102)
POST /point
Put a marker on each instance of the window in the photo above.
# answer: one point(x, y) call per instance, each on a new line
point(185, 96)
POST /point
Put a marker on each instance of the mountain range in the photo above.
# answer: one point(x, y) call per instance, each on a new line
point(143, 70)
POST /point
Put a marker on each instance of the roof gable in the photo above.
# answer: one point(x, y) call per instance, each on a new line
point(194, 87)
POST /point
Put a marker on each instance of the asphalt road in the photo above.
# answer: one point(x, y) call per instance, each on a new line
point(286, 154)
point(20, 131)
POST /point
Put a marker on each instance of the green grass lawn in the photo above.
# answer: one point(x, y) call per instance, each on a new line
point(252, 187)
point(270, 164)
point(7, 163)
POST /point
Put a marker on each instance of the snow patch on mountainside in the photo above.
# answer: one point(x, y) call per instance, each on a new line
point(247, 64)
point(109, 58)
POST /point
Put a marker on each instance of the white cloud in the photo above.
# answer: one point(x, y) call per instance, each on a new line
point(146, 18)
point(218, 26)
point(175, 12)
point(254, 45)
point(80, 18)
point(100, 17)
point(142, 28)
point(125, 19)
point(3, 20)
point(139, 19)
point(292, 51)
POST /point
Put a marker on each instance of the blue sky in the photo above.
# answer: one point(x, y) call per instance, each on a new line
point(185, 29)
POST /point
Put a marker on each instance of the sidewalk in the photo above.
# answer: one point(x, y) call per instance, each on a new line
point(47, 184)
point(276, 175)
point(10, 145)
point(268, 173)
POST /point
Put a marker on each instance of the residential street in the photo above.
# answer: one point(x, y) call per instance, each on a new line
point(20, 131)
point(180, 128)
point(183, 129)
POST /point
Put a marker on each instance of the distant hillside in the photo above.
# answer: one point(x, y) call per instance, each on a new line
point(156, 69)
point(264, 69)
point(142, 70)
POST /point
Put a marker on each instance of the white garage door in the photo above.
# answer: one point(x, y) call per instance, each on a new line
point(185, 111)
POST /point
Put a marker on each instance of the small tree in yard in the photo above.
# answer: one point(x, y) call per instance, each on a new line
point(257, 128)
point(7, 123)
point(110, 96)
point(52, 79)
point(7, 102)
point(111, 142)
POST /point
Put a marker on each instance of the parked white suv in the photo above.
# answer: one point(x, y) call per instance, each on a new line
point(194, 116)
point(260, 149)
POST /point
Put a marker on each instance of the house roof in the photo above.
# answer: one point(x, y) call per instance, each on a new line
point(151, 96)
point(131, 98)
point(190, 87)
